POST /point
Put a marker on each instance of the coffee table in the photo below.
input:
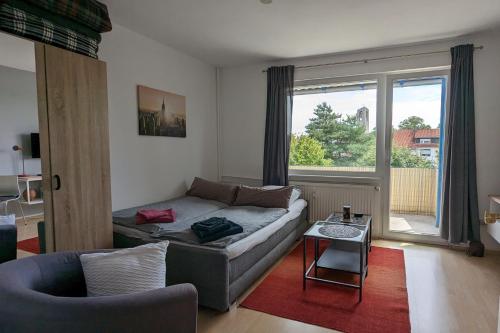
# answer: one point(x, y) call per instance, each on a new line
point(361, 219)
point(347, 252)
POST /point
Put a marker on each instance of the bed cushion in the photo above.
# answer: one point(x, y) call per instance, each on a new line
point(186, 208)
point(264, 197)
point(250, 218)
point(206, 189)
point(191, 210)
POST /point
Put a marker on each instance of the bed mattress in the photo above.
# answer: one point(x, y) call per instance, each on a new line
point(200, 209)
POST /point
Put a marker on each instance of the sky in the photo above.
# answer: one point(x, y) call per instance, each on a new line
point(422, 101)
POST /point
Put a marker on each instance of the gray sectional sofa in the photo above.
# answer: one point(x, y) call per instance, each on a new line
point(224, 269)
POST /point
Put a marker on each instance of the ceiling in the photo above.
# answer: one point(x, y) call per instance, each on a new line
point(235, 32)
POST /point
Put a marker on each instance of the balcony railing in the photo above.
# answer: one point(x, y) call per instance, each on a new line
point(414, 191)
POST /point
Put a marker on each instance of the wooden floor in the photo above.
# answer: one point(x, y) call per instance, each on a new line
point(27, 229)
point(448, 292)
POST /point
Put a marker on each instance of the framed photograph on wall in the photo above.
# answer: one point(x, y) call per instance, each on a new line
point(161, 113)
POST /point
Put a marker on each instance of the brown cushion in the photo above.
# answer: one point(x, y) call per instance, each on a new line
point(262, 197)
point(206, 189)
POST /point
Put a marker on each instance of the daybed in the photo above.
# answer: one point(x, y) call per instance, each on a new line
point(221, 270)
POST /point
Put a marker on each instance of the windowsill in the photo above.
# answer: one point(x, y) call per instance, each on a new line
point(336, 179)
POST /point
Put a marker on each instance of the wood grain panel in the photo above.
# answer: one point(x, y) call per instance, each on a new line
point(79, 150)
point(43, 124)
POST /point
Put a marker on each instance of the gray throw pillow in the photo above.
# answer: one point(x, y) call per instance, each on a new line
point(206, 189)
point(262, 197)
point(296, 192)
point(125, 271)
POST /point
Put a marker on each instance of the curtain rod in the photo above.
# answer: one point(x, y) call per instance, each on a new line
point(364, 61)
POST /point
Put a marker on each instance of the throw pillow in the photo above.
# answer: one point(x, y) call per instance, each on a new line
point(262, 197)
point(125, 271)
point(206, 189)
point(296, 192)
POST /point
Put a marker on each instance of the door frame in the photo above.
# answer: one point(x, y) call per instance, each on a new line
point(386, 186)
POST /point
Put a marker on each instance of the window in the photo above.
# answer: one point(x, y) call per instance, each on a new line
point(425, 140)
point(334, 128)
point(425, 152)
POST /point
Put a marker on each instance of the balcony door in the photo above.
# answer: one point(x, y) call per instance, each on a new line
point(416, 111)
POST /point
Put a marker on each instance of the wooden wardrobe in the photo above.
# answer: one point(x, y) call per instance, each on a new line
point(74, 142)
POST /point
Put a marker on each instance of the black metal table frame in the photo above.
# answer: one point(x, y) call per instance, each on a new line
point(363, 268)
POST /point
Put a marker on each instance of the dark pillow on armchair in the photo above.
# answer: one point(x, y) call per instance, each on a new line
point(264, 197)
point(206, 189)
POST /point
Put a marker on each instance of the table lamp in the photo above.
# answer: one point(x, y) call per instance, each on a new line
point(20, 149)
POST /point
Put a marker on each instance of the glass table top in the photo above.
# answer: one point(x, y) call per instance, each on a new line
point(339, 231)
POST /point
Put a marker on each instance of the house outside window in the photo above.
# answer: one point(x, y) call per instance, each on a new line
point(422, 142)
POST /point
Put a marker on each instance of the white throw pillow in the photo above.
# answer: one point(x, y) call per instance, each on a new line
point(125, 271)
point(8, 219)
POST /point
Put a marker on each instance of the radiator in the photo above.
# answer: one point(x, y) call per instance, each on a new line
point(323, 199)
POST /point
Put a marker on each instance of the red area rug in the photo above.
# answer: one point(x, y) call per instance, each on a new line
point(29, 245)
point(385, 301)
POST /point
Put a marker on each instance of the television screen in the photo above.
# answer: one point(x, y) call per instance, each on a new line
point(35, 145)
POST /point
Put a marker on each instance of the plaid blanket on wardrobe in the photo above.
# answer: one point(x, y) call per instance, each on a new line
point(23, 23)
point(54, 18)
point(90, 13)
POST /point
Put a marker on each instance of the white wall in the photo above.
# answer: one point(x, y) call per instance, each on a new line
point(18, 118)
point(148, 169)
point(244, 103)
point(16, 52)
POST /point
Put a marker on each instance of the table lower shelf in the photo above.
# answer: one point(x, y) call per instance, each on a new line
point(346, 256)
point(341, 257)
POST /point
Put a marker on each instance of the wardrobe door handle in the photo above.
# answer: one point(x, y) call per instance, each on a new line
point(57, 182)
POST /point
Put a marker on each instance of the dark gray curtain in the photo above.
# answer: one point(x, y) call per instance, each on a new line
point(460, 216)
point(278, 124)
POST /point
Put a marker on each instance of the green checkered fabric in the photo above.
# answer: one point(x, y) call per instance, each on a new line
point(90, 13)
point(57, 19)
point(23, 23)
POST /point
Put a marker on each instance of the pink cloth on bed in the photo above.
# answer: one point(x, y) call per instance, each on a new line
point(144, 216)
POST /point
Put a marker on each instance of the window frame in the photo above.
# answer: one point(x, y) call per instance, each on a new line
point(377, 173)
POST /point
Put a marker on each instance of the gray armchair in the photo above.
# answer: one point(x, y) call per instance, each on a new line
point(47, 293)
